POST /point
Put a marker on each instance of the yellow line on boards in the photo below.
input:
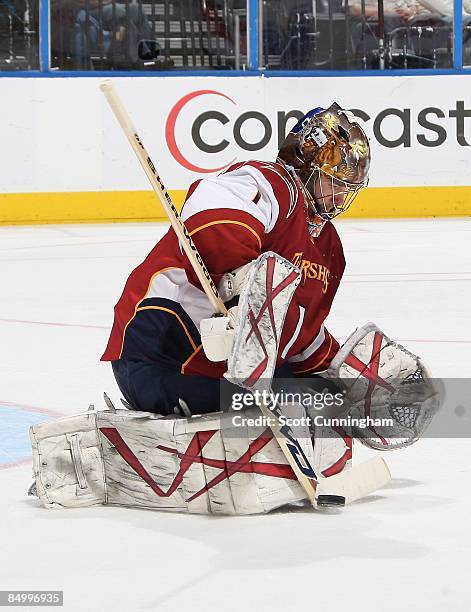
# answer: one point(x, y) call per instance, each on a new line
point(132, 206)
point(83, 207)
point(398, 202)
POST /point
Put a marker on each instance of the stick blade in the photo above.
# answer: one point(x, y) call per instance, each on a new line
point(358, 482)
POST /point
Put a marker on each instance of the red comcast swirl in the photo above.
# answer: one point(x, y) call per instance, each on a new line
point(170, 130)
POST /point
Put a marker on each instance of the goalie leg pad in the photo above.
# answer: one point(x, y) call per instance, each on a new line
point(199, 465)
point(203, 465)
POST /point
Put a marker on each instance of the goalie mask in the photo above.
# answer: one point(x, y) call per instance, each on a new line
point(330, 155)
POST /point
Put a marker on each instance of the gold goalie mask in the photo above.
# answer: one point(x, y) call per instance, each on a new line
point(330, 154)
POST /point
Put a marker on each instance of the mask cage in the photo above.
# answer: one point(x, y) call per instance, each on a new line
point(332, 196)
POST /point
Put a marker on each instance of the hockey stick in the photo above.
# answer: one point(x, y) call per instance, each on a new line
point(163, 195)
point(289, 445)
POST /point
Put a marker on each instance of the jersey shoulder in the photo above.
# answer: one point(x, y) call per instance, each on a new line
point(274, 179)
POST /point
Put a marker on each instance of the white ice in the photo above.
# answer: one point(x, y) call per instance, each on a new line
point(406, 548)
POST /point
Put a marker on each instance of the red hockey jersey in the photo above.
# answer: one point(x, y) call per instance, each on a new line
point(251, 208)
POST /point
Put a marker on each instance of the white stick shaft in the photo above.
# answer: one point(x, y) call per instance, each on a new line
point(162, 194)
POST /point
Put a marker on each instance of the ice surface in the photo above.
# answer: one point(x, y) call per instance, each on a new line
point(405, 548)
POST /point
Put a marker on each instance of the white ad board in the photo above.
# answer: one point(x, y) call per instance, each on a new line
point(59, 135)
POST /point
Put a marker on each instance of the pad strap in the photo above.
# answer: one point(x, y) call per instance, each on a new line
point(74, 441)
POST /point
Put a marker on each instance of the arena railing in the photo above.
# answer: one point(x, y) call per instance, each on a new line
point(231, 38)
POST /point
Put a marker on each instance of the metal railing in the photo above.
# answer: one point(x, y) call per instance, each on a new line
point(19, 35)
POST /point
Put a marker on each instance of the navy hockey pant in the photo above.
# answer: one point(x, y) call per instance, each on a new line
point(152, 387)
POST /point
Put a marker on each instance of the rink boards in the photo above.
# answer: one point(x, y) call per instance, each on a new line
point(69, 162)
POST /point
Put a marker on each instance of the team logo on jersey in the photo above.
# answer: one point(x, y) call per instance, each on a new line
point(312, 270)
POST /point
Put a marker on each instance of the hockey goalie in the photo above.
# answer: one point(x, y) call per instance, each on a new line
point(264, 231)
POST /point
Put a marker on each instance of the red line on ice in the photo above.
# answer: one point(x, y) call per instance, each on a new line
point(53, 324)
point(29, 408)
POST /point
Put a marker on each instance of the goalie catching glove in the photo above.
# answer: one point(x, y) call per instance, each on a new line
point(389, 392)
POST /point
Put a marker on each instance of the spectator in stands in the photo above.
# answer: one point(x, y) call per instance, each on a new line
point(398, 15)
point(108, 26)
point(398, 11)
point(446, 9)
